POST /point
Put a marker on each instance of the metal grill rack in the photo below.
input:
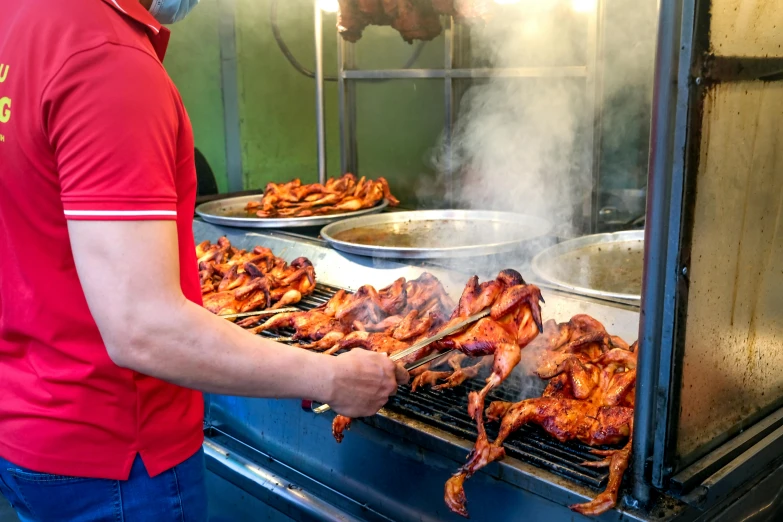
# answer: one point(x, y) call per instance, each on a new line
point(448, 410)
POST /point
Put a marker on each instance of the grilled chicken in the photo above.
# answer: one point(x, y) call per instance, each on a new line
point(252, 295)
point(515, 307)
point(388, 310)
point(339, 425)
point(314, 325)
point(589, 398)
point(414, 19)
point(344, 194)
point(238, 281)
point(351, 21)
point(376, 342)
point(514, 321)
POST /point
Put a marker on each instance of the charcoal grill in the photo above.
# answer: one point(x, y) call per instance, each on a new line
point(447, 410)
point(393, 466)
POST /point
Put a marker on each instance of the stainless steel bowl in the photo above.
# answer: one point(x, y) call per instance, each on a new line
point(429, 234)
point(600, 265)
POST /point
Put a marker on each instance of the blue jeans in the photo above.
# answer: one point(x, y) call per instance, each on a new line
point(177, 495)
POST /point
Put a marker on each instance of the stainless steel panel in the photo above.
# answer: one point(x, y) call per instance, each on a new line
point(695, 475)
point(742, 28)
point(319, 92)
point(521, 72)
point(427, 234)
point(733, 340)
point(763, 503)
point(230, 503)
point(231, 212)
point(230, 90)
point(288, 498)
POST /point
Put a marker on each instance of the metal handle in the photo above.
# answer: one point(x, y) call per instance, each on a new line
point(322, 409)
point(307, 405)
point(430, 358)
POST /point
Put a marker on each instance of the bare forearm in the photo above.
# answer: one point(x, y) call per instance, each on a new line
point(148, 326)
point(187, 345)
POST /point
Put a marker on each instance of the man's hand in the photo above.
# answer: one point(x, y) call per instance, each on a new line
point(362, 382)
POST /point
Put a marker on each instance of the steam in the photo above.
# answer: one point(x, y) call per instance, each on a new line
point(524, 144)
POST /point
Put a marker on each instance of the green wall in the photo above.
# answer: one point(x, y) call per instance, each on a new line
point(399, 121)
point(193, 62)
point(277, 103)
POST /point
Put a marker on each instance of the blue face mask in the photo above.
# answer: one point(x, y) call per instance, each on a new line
point(170, 11)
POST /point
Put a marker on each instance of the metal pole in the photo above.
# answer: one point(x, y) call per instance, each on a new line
point(448, 123)
point(319, 93)
point(349, 64)
point(341, 104)
point(230, 90)
point(594, 109)
point(659, 190)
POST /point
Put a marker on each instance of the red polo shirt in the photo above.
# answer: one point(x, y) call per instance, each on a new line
point(91, 127)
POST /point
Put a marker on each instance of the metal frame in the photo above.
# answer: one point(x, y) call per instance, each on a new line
point(664, 203)
point(684, 69)
point(594, 88)
point(348, 74)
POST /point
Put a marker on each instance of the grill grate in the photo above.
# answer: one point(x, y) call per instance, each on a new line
point(448, 410)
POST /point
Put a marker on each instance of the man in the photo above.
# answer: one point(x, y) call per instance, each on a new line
point(102, 336)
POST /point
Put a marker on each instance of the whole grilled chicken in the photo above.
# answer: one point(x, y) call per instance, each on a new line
point(515, 307)
point(514, 321)
point(414, 19)
point(589, 398)
point(403, 310)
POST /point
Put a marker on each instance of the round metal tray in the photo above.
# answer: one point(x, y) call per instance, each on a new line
point(231, 213)
point(429, 234)
point(600, 265)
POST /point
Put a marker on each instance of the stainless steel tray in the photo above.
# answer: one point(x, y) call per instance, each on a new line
point(231, 213)
point(429, 234)
point(601, 265)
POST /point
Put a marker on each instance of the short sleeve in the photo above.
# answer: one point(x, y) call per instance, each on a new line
point(112, 121)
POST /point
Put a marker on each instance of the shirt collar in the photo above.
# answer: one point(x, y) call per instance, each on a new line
point(159, 35)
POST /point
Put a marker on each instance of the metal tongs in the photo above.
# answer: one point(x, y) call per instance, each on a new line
point(421, 344)
point(268, 311)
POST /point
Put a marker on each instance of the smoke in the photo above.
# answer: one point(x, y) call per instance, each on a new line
point(525, 144)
